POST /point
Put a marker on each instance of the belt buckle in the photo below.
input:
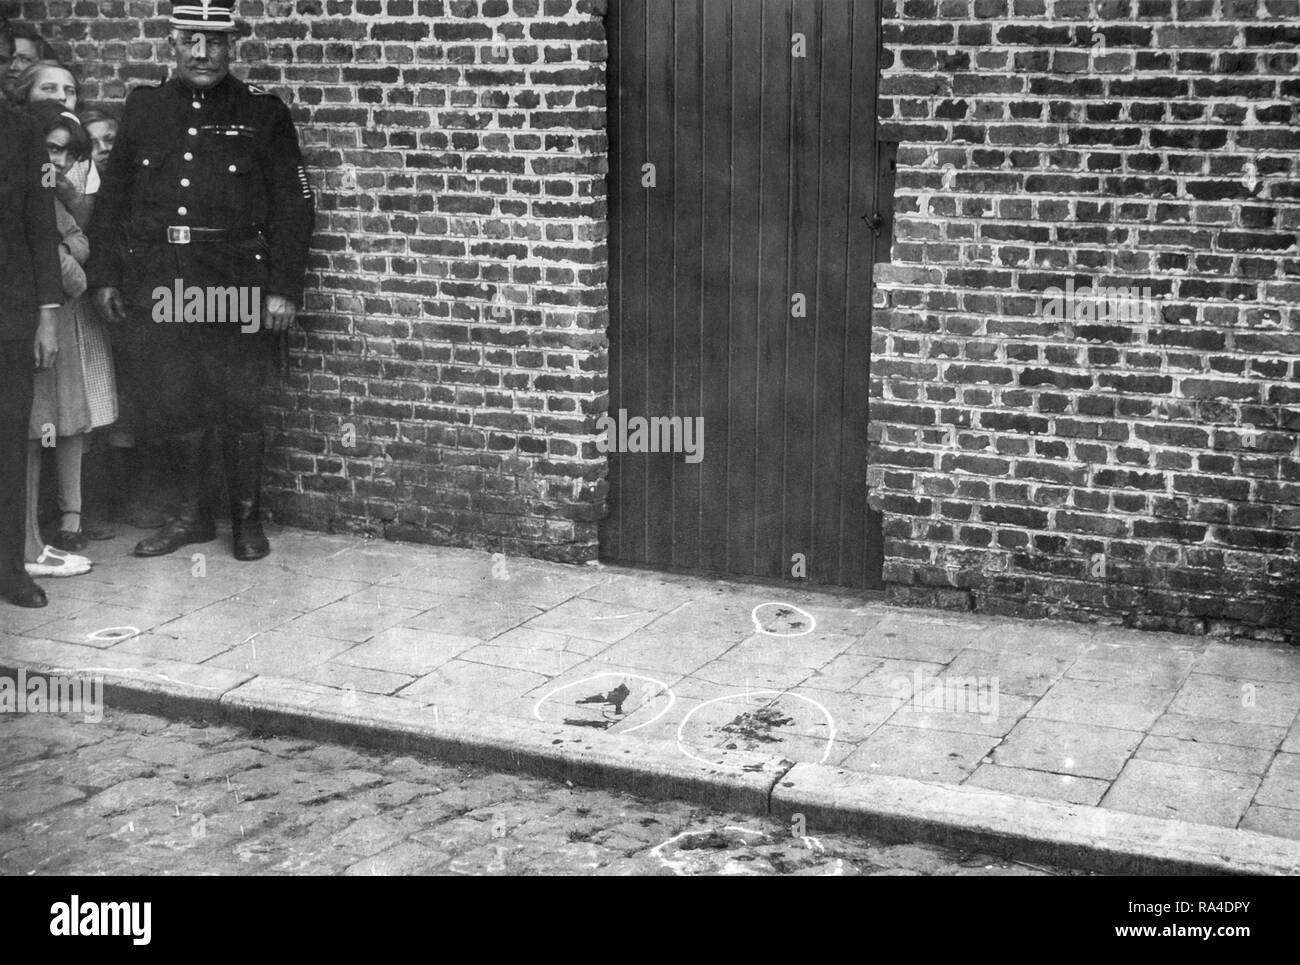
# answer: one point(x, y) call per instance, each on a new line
point(178, 234)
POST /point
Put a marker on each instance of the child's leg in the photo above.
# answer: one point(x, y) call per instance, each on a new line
point(68, 456)
point(34, 543)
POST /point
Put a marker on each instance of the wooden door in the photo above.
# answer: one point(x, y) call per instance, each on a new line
point(742, 164)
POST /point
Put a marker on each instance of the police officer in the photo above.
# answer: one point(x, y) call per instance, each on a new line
point(205, 189)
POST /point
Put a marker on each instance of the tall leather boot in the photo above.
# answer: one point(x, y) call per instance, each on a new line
point(193, 522)
point(149, 486)
point(244, 453)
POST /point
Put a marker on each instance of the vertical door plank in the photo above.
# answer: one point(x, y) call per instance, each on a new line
point(660, 148)
point(689, 258)
point(837, 154)
point(746, 235)
point(634, 292)
point(716, 293)
point(774, 300)
point(807, 96)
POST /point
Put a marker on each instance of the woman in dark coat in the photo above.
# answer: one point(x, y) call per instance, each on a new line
point(30, 290)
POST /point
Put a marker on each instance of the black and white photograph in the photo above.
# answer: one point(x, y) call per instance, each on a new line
point(762, 438)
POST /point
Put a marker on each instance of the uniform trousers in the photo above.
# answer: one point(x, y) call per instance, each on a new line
point(180, 378)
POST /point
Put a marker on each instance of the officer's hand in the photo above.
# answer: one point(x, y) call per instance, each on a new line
point(278, 314)
point(47, 340)
point(108, 301)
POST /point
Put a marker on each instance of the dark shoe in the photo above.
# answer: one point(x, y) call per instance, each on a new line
point(193, 522)
point(178, 532)
point(243, 454)
point(67, 540)
point(250, 542)
point(25, 592)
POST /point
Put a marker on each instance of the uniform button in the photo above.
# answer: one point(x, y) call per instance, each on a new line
point(145, 162)
point(232, 169)
point(193, 131)
point(196, 105)
point(185, 182)
point(188, 157)
point(182, 210)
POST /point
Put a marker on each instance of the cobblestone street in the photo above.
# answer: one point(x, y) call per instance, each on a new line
point(135, 794)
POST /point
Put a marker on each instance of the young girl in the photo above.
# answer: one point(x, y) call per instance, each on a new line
point(78, 392)
point(48, 80)
point(102, 128)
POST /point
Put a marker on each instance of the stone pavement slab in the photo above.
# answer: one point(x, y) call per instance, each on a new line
point(1236, 699)
point(279, 652)
point(517, 659)
point(1219, 757)
point(407, 650)
point(1027, 782)
point(1250, 662)
point(1180, 791)
point(1063, 747)
point(1126, 706)
point(463, 616)
point(942, 756)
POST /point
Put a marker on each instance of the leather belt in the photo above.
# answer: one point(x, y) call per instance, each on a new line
point(187, 235)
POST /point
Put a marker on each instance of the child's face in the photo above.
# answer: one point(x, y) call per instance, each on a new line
point(56, 142)
point(54, 84)
point(102, 135)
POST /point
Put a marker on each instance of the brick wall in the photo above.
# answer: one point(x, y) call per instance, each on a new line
point(1093, 468)
point(455, 316)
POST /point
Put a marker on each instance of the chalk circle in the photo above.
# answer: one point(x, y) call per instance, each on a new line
point(830, 722)
point(682, 867)
point(113, 634)
point(663, 687)
point(758, 624)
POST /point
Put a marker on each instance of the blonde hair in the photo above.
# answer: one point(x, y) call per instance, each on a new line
point(27, 79)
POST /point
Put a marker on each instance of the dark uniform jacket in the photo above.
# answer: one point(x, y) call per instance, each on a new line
point(225, 158)
point(29, 241)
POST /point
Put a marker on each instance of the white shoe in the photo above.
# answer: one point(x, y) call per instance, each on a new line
point(54, 562)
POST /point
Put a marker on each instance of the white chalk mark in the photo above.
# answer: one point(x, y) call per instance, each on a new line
point(758, 624)
point(830, 723)
point(678, 867)
point(663, 687)
point(115, 634)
